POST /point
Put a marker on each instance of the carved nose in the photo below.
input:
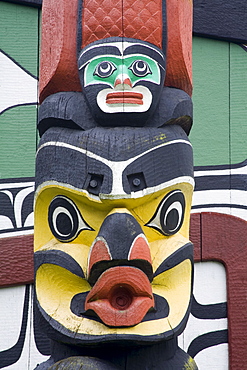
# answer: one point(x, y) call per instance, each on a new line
point(122, 80)
point(120, 242)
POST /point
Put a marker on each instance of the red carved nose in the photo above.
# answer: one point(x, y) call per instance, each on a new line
point(123, 81)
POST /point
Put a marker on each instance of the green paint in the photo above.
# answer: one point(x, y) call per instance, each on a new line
point(238, 103)
point(210, 132)
point(19, 39)
point(19, 34)
point(18, 142)
point(121, 65)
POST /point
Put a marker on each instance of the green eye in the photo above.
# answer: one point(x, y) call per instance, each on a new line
point(104, 69)
point(140, 68)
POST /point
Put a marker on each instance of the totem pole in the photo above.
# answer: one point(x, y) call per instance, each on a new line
point(114, 182)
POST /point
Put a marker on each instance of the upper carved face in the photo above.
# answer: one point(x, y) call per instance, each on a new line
point(120, 77)
point(112, 254)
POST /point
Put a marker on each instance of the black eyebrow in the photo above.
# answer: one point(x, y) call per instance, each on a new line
point(96, 51)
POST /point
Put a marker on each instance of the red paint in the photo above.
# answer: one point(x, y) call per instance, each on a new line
point(16, 260)
point(140, 250)
point(223, 239)
point(58, 59)
point(126, 81)
point(122, 18)
point(179, 44)
point(124, 97)
point(99, 252)
point(121, 296)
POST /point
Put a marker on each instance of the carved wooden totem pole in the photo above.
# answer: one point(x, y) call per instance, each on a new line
point(114, 182)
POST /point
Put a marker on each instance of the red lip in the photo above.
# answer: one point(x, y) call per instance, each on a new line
point(123, 97)
point(121, 296)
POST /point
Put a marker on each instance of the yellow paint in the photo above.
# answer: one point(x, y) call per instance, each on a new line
point(56, 286)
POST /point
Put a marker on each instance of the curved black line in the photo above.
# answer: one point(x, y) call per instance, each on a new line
point(12, 355)
point(59, 258)
point(221, 167)
point(214, 205)
point(207, 340)
point(18, 105)
point(18, 64)
point(183, 253)
point(208, 311)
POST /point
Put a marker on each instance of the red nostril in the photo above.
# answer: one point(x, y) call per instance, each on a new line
point(120, 81)
point(140, 250)
point(99, 252)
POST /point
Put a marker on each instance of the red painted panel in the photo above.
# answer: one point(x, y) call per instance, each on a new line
point(224, 240)
point(16, 260)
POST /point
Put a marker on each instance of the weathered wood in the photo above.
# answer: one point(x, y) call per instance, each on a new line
point(16, 260)
point(224, 239)
point(221, 19)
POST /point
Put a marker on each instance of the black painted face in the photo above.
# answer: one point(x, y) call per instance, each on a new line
point(122, 80)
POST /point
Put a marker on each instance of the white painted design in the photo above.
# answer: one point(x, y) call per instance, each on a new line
point(117, 168)
point(17, 87)
point(204, 199)
point(209, 288)
point(11, 303)
point(121, 46)
point(17, 204)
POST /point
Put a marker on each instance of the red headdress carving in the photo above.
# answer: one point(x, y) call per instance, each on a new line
point(140, 19)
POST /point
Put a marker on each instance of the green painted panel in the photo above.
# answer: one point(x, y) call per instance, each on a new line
point(18, 142)
point(238, 103)
point(19, 34)
point(19, 40)
point(210, 132)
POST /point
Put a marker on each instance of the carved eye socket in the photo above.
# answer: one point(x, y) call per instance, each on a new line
point(169, 216)
point(65, 220)
point(140, 68)
point(104, 69)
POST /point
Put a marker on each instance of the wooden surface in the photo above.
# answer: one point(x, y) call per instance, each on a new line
point(219, 132)
point(224, 20)
point(19, 34)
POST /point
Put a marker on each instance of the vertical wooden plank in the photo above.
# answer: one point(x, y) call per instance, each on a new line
point(19, 49)
point(238, 109)
point(224, 239)
point(210, 132)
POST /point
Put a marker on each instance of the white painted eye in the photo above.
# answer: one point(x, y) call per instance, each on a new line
point(65, 220)
point(169, 215)
point(140, 68)
point(104, 69)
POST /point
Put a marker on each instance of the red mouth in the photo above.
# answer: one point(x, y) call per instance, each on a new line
point(121, 296)
point(124, 97)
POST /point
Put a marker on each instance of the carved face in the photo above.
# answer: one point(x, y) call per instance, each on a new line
point(112, 255)
point(122, 77)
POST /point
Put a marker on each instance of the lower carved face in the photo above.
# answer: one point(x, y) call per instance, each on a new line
point(112, 255)
point(121, 77)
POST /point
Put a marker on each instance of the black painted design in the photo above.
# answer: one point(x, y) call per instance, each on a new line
point(207, 340)
point(12, 355)
point(183, 253)
point(209, 311)
point(59, 258)
point(160, 311)
point(65, 220)
point(16, 204)
point(169, 215)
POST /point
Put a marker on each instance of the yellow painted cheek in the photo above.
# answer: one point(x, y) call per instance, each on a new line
point(163, 248)
point(55, 287)
point(175, 286)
